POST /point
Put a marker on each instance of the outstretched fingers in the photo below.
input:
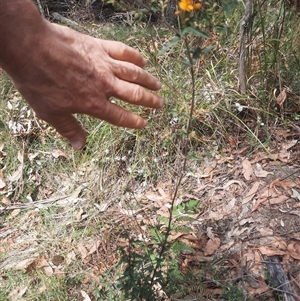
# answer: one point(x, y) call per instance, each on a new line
point(134, 74)
point(118, 116)
point(137, 95)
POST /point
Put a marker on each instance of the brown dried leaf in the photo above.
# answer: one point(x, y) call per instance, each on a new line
point(201, 258)
point(79, 214)
point(162, 192)
point(14, 213)
point(270, 252)
point(210, 168)
point(212, 246)
point(83, 251)
point(281, 97)
point(163, 211)
point(229, 183)
point(94, 247)
point(294, 250)
point(251, 193)
point(247, 169)
point(6, 201)
point(42, 264)
point(289, 144)
point(264, 231)
point(70, 257)
point(257, 291)
point(158, 200)
point(284, 184)
point(17, 293)
point(231, 141)
point(56, 153)
point(278, 200)
point(257, 204)
point(279, 243)
point(259, 172)
point(57, 260)
point(227, 246)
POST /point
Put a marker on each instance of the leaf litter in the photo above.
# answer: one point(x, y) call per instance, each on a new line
point(245, 210)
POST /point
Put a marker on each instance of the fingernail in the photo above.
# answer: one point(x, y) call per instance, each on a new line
point(77, 144)
point(144, 61)
point(158, 84)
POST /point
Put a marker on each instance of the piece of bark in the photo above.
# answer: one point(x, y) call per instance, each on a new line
point(278, 279)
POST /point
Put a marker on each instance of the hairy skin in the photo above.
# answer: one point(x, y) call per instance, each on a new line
point(61, 72)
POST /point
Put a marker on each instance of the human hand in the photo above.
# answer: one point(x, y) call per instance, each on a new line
point(65, 72)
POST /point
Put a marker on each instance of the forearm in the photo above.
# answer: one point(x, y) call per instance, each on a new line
point(20, 27)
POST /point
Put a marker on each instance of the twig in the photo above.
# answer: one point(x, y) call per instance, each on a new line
point(70, 23)
point(42, 203)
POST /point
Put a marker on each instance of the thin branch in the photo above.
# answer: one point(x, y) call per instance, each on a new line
point(245, 27)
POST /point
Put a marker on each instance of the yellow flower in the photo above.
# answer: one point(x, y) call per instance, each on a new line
point(188, 5)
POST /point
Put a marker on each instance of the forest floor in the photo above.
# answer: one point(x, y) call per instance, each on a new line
point(63, 214)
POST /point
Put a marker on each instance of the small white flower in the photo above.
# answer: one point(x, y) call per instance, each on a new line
point(106, 151)
point(124, 158)
point(239, 107)
point(117, 158)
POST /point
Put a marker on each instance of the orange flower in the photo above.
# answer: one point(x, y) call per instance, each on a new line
point(197, 6)
point(189, 5)
point(186, 5)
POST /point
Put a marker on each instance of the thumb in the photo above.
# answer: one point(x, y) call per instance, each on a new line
point(68, 127)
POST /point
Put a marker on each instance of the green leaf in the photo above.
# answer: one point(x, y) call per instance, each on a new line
point(178, 247)
point(169, 45)
point(222, 28)
point(191, 205)
point(195, 31)
point(183, 229)
point(185, 218)
point(229, 5)
point(198, 51)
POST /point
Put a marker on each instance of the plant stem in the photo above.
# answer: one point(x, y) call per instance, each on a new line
point(185, 153)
